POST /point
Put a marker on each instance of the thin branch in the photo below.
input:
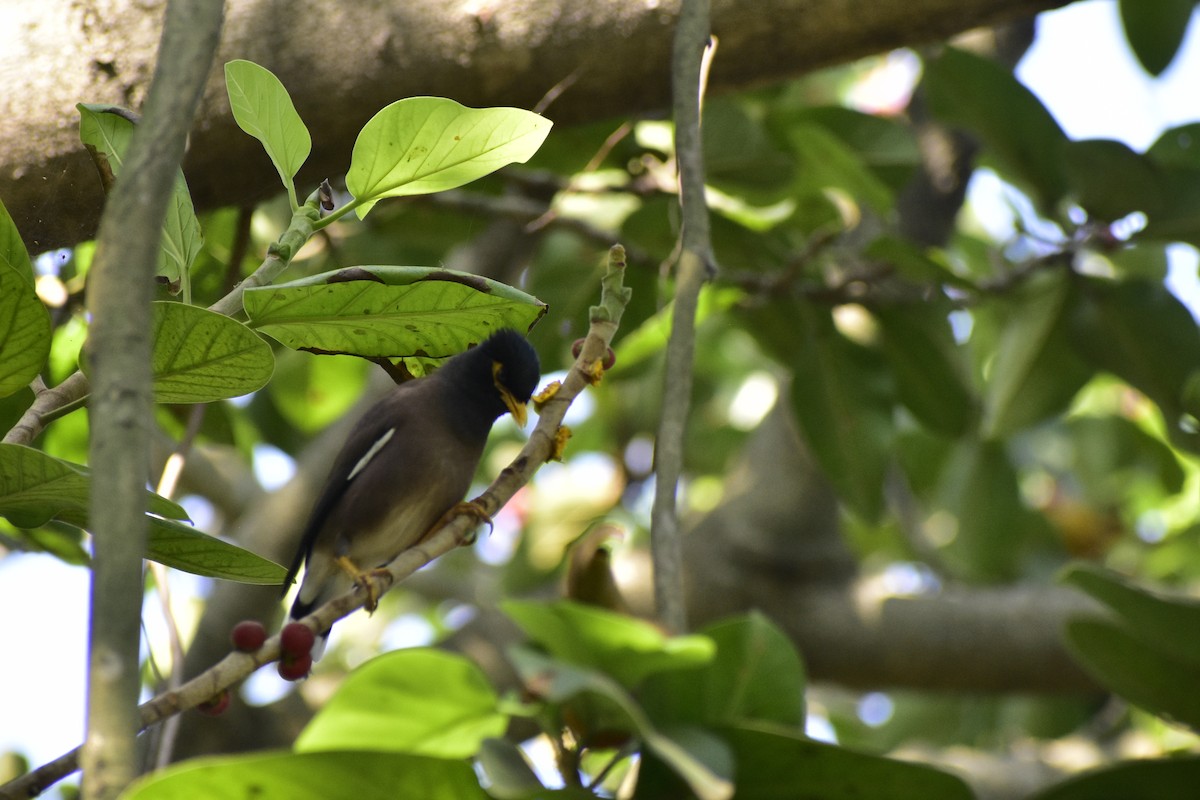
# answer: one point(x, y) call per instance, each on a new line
point(544, 443)
point(695, 263)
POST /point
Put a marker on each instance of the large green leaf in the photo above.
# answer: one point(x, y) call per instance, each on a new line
point(826, 162)
point(200, 356)
point(841, 395)
point(36, 488)
point(1036, 372)
point(418, 701)
point(931, 375)
point(312, 776)
point(756, 676)
point(389, 312)
point(985, 98)
point(1140, 332)
point(1155, 29)
point(1109, 180)
point(107, 133)
point(24, 330)
point(421, 145)
point(1148, 677)
point(1169, 624)
point(1158, 779)
point(262, 108)
point(625, 648)
point(774, 763)
point(12, 249)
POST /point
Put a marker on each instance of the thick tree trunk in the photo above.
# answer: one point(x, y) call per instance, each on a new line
point(342, 63)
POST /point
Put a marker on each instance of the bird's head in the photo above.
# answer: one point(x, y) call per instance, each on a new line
point(514, 368)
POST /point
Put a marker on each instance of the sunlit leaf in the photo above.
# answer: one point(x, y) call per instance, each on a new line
point(185, 548)
point(312, 776)
point(24, 330)
point(12, 248)
point(262, 108)
point(421, 145)
point(389, 312)
point(108, 133)
point(387, 705)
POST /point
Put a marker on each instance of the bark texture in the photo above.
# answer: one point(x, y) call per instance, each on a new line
point(342, 62)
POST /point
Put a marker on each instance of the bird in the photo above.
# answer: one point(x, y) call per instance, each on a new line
point(406, 464)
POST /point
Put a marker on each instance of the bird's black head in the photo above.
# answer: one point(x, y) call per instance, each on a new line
point(500, 374)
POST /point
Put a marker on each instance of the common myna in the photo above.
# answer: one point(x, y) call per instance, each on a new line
point(407, 462)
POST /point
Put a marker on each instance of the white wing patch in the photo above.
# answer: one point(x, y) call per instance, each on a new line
point(374, 451)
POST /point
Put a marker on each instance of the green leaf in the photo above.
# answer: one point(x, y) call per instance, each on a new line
point(1132, 780)
point(184, 548)
point(1155, 29)
point(12, 248)
point(756, 676)
point(36, 488)
point(841, 396)
point(1141, 333)
point(931, 375)
point(1165, 623)
point(421, 145)
point(1109, 180)
point(1036, 372)
point(1144, 676)
point(390, 704)
point(311, 393)
point(106, 132)
point(696, 757)
point(985, 98)
point(262, 108)
point(628, 649)
point(312, 776)
point(201, 356)
point(828, 163)
point(24, 330)
point(508, 773)
point(778, 764)
point(389, 312)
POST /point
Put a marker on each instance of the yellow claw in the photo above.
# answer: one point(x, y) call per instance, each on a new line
point(362, 580)
point(546, 395)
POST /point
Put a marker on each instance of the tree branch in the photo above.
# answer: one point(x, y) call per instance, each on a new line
point(120, 290)
point(543, 444)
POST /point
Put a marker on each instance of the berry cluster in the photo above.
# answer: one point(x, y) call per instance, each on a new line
point(296, 641)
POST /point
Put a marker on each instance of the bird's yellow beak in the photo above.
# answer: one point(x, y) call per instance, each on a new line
point(516, 408)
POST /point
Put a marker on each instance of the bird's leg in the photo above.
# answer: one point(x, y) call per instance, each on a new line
point(362, 579)
point(469, 508)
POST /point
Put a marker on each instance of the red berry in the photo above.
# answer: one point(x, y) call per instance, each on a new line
point(576, 348)
point(215, 706)
point(610, 358)
point(296, 639)
point(248, 635)
point(293, 668)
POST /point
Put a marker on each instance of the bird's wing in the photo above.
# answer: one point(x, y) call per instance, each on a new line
point(368, 437)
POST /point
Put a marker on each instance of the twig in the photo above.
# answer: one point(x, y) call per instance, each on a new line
point(543, 444)
point(693, 268)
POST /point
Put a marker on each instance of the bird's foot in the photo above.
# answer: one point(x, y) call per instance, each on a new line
point(469, 508)
point(546, 395)
point(362, 579)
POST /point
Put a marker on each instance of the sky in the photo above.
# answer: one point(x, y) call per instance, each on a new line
point(1081, 69)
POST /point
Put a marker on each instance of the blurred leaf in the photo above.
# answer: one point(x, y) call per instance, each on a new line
point(311, 393)
point(389, 312)
point(1110, 450)
point(885, 145)
point(312, 776)
point(1141, 333)
point(626, 648)
point(826, 162)
point(557, 682)
point(913, 263)
point(1144, 676)
point(978, 488)
point(1109, 180)
point(1159, 779)
point(985, 98)
point(507, 772)
point(105, 131)
point(24, 329)
point(840, 395)
point(421, 145)
point(12, 248)
point(775, 763)
point(262, 108)
point(1155, 29)
point(738, 155)
point(1142, 261)
point(756, 676)
point(1166, 623)
point(201, 356)
point(185, 548)
point(419, 701)
point(1035, 373)
point(931, 377)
